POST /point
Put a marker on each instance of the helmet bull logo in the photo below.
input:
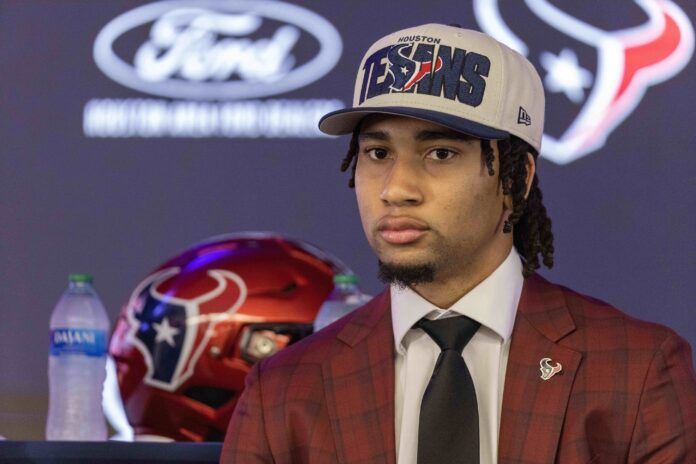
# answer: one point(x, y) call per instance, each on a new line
point(628, 61)
point(171, 331)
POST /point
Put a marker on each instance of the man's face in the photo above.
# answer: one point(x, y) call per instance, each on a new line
point(426, 198)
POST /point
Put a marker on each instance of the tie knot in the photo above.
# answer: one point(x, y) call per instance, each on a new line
point(450, 333)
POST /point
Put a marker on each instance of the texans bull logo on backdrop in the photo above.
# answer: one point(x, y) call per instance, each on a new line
point(172, 317)
point(600, 92)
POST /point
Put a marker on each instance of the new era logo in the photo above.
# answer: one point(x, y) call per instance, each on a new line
point(523, 117)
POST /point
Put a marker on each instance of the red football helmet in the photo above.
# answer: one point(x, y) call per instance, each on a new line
point(193, 328)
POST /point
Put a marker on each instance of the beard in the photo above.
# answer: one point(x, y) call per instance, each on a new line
point(406, 275)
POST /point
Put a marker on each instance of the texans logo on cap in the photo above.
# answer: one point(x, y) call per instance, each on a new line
point(457, 74)
point(410, 72)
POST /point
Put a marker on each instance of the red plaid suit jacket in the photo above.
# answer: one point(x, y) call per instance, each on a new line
point(627, 391)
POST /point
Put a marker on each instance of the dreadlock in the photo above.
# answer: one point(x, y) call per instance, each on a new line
point(529, 222)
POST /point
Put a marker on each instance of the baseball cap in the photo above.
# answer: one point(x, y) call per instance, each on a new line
point(459, 78)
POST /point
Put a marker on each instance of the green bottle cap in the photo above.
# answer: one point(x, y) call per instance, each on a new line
point(346, 279)
point(80, 278)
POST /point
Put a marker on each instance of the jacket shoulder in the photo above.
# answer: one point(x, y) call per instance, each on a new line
point(600, 325)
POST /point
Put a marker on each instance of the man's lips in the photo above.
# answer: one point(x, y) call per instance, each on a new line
point(401, 230)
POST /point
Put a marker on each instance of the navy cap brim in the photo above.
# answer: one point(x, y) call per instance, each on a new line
point(344, 121)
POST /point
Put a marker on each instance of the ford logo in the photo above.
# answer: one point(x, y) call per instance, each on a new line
point(204, 49)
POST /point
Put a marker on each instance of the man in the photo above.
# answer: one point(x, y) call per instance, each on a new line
point(469, 356)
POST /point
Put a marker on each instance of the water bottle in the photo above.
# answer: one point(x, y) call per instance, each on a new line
point(76, 364)
point(345, 297)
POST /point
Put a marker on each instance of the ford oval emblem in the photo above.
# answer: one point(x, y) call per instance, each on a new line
point(204, 49)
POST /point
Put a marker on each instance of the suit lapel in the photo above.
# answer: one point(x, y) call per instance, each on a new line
point(359, 386)
point(359, 381)
point(533, 409)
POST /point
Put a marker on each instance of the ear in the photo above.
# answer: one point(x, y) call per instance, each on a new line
point(531, 170)
point(507, 203)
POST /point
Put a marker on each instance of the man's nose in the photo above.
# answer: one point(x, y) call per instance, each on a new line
point(401, 186)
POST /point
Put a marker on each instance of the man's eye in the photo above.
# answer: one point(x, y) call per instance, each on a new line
point(441, 154)
point(377, 153)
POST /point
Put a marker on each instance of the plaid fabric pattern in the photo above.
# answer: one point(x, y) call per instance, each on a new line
point(626, 393)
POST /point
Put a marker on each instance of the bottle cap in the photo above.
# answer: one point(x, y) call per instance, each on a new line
point(80, 278)
point(346, 279)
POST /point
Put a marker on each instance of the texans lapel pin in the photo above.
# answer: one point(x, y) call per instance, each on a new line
point(547, 370)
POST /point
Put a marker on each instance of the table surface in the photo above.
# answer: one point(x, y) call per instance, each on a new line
point(44, 452)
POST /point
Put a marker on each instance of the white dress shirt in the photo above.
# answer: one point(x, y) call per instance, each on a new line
point(493, 303)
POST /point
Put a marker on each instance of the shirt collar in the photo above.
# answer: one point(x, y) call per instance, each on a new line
point(493, 302)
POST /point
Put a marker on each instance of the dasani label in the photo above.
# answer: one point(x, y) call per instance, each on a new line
point(89, 342)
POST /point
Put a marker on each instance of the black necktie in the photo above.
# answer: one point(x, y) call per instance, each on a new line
point(448, 430)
